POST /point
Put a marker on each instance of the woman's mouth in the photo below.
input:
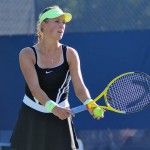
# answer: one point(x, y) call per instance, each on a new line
point(60, 32)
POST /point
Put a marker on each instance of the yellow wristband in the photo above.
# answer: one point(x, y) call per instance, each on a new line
point(50, 105)
point(87, 101)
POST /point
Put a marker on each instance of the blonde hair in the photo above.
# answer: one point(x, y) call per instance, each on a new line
point(39, 28)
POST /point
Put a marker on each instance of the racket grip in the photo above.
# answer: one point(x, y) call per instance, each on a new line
point(79, 109)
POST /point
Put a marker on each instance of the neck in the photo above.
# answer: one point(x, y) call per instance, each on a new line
point(49, 50)
point(48, 46)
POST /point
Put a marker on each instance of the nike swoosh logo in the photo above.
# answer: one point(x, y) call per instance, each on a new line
point(47, 72)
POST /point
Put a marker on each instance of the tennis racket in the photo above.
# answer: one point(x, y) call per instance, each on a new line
point(127, 93)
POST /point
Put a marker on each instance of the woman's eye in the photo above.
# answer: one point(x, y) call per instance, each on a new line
point(57, 21)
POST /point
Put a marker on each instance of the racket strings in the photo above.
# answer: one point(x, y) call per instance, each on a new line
point(129, 93)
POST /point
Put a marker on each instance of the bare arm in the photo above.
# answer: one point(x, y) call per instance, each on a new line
point(27, 61)
point(80, 89)
point(74, 65)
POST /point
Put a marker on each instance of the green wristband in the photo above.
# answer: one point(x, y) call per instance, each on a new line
point(87, 101)
point(50, 105)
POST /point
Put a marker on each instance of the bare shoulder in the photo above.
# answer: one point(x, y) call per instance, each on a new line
point(72, 54)
point(27, 53)
point(72, 51)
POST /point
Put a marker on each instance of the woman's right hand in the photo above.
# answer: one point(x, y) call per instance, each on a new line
point(62, 113)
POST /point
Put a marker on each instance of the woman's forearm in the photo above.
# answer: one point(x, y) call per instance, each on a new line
point(83, 94)
point(40, 95)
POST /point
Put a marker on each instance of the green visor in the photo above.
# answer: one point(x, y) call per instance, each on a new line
point(54, 13)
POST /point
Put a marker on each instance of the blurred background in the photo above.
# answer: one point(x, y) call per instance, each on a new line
point(111, 37)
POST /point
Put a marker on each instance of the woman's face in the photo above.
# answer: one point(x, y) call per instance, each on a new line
point(54, 28)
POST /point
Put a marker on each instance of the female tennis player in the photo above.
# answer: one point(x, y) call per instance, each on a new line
point(44, 121)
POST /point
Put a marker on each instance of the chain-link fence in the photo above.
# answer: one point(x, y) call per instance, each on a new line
point(20, 16)
point(17, 17)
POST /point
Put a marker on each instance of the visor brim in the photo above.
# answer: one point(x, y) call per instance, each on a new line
point(67, 16)
point(54, 14)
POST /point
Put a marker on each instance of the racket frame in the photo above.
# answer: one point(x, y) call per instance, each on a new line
point(104, 93)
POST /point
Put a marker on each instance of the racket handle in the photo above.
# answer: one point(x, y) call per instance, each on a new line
point(79, 109)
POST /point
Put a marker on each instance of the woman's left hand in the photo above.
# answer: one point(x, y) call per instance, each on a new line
point(91, 111)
